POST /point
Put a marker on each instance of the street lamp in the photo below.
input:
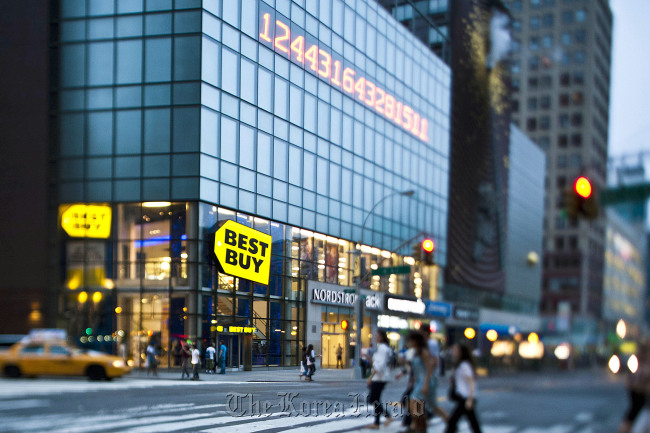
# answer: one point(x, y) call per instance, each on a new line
point(357, 305)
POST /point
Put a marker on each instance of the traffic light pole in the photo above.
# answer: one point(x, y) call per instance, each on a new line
point(357, 304)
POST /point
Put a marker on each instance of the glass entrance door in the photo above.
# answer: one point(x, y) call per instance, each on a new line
point(330, 343)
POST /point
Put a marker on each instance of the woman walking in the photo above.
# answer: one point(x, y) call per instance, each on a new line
point(303, 364)
point(379, 376)
point(152, 362)
point(311, 362)
point(463, 389)
point(422, 397)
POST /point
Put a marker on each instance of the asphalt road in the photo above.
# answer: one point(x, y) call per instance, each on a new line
point(274, 401)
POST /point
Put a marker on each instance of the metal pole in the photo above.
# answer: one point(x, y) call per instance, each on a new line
point(357, 303)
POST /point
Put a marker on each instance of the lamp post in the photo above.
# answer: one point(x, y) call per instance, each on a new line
point(357, 305)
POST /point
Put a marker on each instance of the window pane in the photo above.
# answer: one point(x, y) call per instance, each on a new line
point(187, 58)
point(100, 133)
point(158, 59)
point(128, 131)
point(229, 71)
point(129, 61)
point(100, 63)
point(228, 139)
point(156, 130)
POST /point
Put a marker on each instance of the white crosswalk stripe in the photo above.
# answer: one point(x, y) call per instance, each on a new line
point(213, 418)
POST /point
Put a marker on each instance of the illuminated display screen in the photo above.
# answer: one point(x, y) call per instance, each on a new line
point(305, 50)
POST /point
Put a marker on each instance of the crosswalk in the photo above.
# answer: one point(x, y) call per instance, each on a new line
point(215, 418)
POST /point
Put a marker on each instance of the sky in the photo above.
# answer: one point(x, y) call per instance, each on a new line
point(629, 115)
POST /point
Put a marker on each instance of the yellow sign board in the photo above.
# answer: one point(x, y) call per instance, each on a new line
point(243, 252)
point(236, 329)
point(86, 220)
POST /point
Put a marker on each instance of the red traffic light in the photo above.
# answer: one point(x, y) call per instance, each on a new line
point(344, 324)
point(582, 187)
point(428, 245)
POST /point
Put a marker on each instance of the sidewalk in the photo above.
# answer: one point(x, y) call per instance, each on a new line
point(256, 375)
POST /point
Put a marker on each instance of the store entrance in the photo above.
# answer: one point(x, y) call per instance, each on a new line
point(233, 349)
point(330, 343)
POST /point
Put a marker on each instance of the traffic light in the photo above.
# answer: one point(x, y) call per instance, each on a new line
point(417, 252)
point(428, 247)
point(344, 324)
point(579, 199)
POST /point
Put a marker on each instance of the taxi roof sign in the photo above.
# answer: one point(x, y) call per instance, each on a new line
point(243, 252)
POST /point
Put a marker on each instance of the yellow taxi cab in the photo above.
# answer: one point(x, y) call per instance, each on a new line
point(56, 357)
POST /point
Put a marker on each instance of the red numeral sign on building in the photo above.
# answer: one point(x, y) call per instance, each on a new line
point(278, 36)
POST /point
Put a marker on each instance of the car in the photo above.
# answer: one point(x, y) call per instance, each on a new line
point(36, 357)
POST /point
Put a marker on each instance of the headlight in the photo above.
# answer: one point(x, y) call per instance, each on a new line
point(130, 363)
point(118, 364)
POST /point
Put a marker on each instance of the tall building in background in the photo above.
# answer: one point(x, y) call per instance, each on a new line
point(489, 266)
point(561, 60)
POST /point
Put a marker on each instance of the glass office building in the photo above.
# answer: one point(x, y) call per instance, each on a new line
point(294, 118)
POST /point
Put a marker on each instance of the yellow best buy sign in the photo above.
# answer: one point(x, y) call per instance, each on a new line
point(86, 220)
point(243, 252)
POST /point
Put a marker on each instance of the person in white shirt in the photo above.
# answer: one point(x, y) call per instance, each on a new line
point(463, 389)
point(209, 358)
point(196, 362)
point(379, 376)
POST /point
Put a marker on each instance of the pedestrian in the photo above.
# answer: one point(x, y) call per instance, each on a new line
point(303, 364)
point(463, 389)
point(210, 358)
point(364, 362)
point(311, 362)
point(152, 362)
point(379, 377)
point(404, 400)
point(185, 360)
point(176, 353)
point(434, 350)
point(222, 357)
point(196, 362)
point(422, 396)
point(638, 388)
point(339, 356)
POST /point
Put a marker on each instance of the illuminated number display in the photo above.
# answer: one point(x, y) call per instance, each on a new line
point(277, 35)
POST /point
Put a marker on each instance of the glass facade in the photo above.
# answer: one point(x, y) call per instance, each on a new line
point(179, 114)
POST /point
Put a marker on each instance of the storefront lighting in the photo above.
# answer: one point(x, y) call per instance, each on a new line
point(621, 329)
point(214, 208)
point(144, 300)
point(156, 204)
point(375, 251)
point(74, 283)
point(184, 309)
point(213, 321)
point(342, 259)
point(165, 266)
point(120, 333)
point(633, 364)
point(341, 277)
point(294, 328)
point(469, 333)
point(409, 261)
point(97, 296)
point(614, 364)
point(295, 248)
point(184, 256)
point(321, 266)
point(374, 266)
point(343, 243)
point(306, 233)
point(118, 310)
point(533, 338)
point(562, 351)
point(491, 335)
point(294, 333)
point(82, 297)
point(386, 254)
point(109, 284)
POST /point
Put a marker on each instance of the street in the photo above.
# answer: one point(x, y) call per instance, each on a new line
point(274, 401)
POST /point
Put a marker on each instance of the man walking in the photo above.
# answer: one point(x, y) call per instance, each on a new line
point(185, 360)
point(222, 357)
point(339, 356)
point(210, 353)
point(196, 362)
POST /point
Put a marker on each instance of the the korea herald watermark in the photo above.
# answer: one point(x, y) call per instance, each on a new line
point(290, 404)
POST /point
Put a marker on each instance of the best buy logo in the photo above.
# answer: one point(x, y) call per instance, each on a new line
point(243, 252)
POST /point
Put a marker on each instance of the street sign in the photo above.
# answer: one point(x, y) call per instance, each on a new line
point(392, 270)
point(243, 252)
point(438, 309)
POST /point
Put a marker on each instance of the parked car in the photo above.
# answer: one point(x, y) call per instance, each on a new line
point(39, 357)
